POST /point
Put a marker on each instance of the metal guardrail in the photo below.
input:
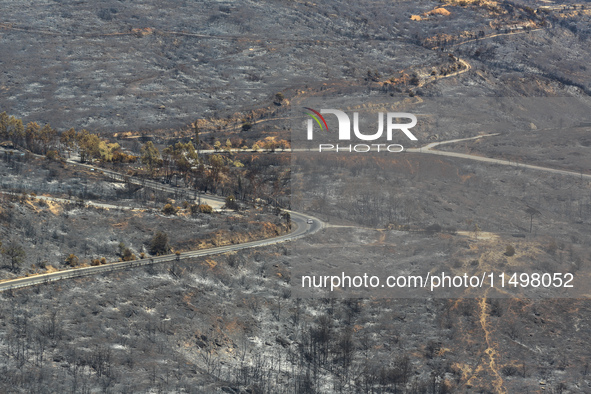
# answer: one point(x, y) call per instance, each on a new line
point(300, 232)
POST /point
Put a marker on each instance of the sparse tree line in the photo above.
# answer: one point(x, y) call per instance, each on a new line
point(246, 180)
point(177, 163)
point(48, 141)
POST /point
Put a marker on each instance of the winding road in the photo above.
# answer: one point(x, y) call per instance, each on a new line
point(302, 229)
point(304, 224)
point(300, 222)
point(428, 149)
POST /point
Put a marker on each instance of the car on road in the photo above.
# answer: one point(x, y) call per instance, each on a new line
point(310, 221)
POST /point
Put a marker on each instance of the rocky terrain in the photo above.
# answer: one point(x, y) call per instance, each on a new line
point(239, 72)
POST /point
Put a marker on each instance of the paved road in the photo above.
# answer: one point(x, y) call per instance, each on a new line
point(428, 149)
point(213, 201)
point(299, 221)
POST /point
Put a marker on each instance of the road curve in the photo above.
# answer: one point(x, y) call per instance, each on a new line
point(428, 149)
point(302, 229)
point(300, 220)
